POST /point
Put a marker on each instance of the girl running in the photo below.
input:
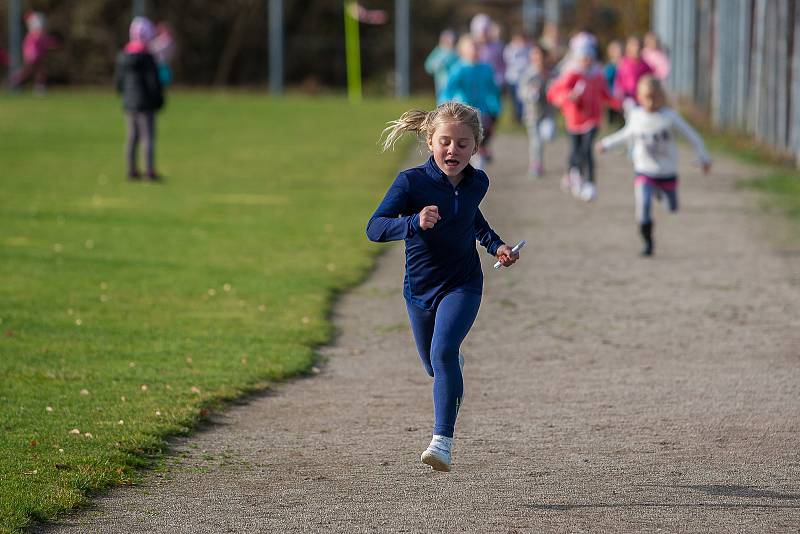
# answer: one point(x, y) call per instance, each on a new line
point(651, 129)
point(440, 61)
point(434, 208)
point(630, 70)
point(471, 82)
point(538, 113)
point(581, 93)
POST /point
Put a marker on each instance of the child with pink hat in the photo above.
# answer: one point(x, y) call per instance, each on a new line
point(137, 80)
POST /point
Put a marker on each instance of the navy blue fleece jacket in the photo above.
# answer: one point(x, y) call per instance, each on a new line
point(442, 258)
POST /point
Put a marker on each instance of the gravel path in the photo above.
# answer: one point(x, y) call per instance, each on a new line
point(604, 392)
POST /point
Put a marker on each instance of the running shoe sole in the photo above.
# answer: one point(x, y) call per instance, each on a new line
point(435, 461)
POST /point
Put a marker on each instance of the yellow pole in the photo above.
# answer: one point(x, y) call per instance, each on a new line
point(353, 53)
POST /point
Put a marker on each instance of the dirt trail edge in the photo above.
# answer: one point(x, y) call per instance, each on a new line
point(604, 392)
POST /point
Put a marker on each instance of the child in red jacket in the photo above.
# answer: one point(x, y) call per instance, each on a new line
point(581, 93)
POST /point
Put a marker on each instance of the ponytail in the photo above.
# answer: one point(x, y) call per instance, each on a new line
point(415, 120)
point(426, 122)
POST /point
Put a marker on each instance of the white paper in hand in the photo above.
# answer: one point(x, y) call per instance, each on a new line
point(515, 249)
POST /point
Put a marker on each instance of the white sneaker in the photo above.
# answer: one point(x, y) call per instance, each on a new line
point(437, 455)
point(588, 192)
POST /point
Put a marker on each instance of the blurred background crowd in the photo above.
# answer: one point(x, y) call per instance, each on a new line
point(225, 43)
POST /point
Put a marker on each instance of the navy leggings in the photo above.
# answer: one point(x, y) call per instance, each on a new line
point(581, 156)
point(438, 334)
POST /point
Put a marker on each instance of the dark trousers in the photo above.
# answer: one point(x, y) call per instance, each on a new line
point(141, 128)
point(438, 334)
point(581, 156)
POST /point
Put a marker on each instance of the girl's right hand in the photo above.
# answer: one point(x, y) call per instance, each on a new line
point(428, 217)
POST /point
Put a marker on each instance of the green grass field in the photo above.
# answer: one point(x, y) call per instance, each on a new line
point(127, 309)
point(784, 193)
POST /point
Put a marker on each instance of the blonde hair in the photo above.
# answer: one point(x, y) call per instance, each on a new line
point(466, 45)
point(426, 122)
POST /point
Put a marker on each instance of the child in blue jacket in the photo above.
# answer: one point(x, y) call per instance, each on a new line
point(440, 61)
point(471, 82)
point(434, 208)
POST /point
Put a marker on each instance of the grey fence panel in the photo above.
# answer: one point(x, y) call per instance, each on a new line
point(743, 45)
point(705, 52)
point(757, 80)
point(689, 24)
point(721, 90)
point(739, 60)
point(782, 76)
point(795, 95)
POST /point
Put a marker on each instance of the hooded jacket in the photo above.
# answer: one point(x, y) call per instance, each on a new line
point(137, 80)
point(584, 113)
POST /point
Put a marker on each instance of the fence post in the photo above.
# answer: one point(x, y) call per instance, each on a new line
point(15, 34)
point(742, 63)
point(795, 102)
point(139, 8)
point(402, 48)
point(275, 25)
point(757, 78)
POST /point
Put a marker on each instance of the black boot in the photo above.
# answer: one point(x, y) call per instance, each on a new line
point(646, 229)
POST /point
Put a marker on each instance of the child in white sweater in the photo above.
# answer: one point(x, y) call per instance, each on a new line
point(650, 128)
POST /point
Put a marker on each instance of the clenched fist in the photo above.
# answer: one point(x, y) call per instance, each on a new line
point(428, 217)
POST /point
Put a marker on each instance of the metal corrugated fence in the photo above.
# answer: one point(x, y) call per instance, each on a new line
point(739, 60)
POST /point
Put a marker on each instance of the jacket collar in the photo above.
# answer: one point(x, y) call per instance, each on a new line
point(433, 170)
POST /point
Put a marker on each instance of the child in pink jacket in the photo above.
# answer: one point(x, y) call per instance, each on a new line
point(35, 46)
point(630, 69)
point(581, 93)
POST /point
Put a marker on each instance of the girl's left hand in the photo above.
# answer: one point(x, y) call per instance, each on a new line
point(506, 256)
